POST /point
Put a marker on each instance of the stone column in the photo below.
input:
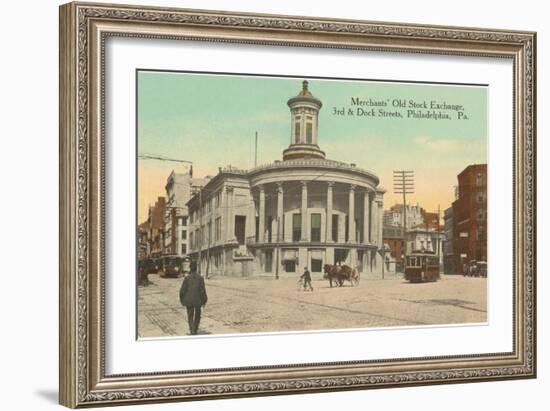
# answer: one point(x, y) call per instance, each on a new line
point(373, 213)
point(280, 211)
point(351, 214)
point(328, 237)
point(379, 225)
point(223, 214)
point(366, 217)
point(261, 216)
point(305, 234)
point(230, 215)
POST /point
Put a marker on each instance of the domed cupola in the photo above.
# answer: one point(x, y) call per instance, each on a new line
point(304, 109)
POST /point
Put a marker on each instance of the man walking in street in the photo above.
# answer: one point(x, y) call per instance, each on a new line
point(306, 278)
point(193, 297)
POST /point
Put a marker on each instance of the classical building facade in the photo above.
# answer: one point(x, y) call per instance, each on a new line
point(303, 211)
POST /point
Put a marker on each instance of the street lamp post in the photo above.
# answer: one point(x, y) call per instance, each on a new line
point(382, 251)
point(277, 248)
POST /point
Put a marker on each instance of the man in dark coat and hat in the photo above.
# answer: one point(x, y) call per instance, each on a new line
point(193, 297)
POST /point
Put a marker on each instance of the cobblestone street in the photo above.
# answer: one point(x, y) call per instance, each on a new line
point(237, 305)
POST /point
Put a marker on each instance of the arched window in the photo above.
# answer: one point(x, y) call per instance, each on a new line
point(297, 127)
point(309, 133)
point(309, 129)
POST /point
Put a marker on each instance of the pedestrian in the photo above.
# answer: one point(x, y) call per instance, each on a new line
point(306, 278)
point(193, 297)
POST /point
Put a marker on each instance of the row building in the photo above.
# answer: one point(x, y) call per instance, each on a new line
point(302, 211)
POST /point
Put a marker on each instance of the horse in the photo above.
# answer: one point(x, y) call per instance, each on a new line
point(333, 272)
point(341, 273)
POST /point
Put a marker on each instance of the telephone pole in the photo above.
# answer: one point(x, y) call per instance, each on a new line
point(403, 183)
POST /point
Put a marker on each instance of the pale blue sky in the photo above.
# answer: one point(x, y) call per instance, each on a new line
point(211, 120)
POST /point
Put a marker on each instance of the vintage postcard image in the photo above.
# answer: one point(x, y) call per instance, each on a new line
point(289, 204)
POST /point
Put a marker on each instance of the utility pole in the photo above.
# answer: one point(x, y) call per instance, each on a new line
point(403, 183)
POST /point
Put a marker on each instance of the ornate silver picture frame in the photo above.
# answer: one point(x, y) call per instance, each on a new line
point(86, 29)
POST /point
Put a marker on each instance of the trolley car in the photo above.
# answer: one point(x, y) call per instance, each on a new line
point(420, 267)
point(171, 266)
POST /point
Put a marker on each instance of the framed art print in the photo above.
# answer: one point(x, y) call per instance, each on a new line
point(260, 204)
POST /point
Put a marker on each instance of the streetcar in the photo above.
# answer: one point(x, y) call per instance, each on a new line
point(171, 266)
point(421, 267)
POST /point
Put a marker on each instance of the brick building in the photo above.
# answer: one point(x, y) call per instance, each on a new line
point(449, 263)
point(143, 244)
point(155, 227)
point(431, 221)
point(470, 216)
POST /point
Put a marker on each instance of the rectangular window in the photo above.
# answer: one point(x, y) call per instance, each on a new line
point(184, 248)
point(316, 265)
point(290, 266)
point(480, 196)
point(240, 228)
point(309, 133)
point(347, 228)
point(268, 261)
point(316, 227)
point(479, 179)
point(191, 244)
point(340, 255)
point(269, 229)
point(218, 228)
point(184, 220)
point(480, 234)
point(184, 234)
point(335, 220)
point(296, 227)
